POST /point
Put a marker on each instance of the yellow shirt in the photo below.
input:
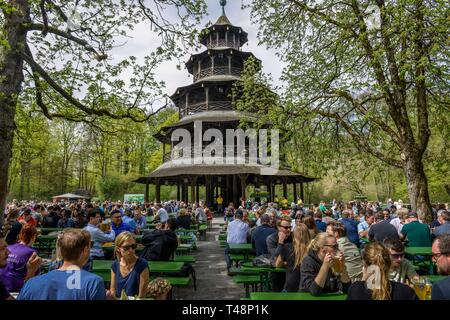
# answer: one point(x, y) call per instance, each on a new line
point(219, 200)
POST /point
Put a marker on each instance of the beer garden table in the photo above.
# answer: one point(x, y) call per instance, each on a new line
point(295, 296)
point(417, 252)
point(263, 272)
point(45, 231)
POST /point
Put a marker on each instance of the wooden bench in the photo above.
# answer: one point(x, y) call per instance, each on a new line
point(202, 231)
point(234, 271)
point(185, 259)
point(178, 281)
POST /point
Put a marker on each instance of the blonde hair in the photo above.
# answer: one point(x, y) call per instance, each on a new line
point(319, 241)
point(157, 287)
point(182, 212)
point(376, 254)
point(402, 213)
point(121, 238)
point(301, 240)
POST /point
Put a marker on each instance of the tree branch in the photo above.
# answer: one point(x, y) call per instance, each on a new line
point(89, 111)
point(359, 106)
point(68, 36)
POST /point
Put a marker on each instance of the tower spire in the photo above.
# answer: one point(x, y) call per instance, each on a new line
point(223, 3)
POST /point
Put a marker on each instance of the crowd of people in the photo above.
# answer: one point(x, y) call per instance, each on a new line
point(323, 248)
point(337, 248)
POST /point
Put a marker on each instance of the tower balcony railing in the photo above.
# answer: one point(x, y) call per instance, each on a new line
point(217, 71)
point(202, 106)
point(222, 43)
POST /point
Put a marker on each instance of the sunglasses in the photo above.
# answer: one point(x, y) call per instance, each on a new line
point(286, 227)
point(131, 246)
point(436, 256)
point(397, 255)
point(334, 246)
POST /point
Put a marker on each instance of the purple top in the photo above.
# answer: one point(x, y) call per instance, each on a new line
point(13, 275)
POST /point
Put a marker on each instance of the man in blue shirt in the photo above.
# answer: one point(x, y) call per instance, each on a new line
point(139, 219)
point(441, 256)
point(260, 234)
point(69, 282)
point(98, 237)
point(236, 233)
point(351, 227)
point(161, 214)
point(118, 225)
point(444, 220)
point(128, 219)
point(322, 226)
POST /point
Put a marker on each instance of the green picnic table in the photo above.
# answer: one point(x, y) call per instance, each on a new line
point(244, 248)
point(47, 237)
point(421, 254)
point(295, 296)
point(155, 266)
point(364, 239)
point(263, 273)
point(435, 278)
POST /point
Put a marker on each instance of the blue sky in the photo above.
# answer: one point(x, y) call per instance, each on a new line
point(143, 42)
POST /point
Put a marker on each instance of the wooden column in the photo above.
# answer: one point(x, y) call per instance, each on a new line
point(178, 190)
point(157, 191)
point(295, 191)
point(285, 192)
point(229, 64)
point(147, 192)
point(235, 192)
point(197, 191)
point(207, 98)
point(243, 177)
point(193, 181)
point(302, 194)
point(228, 194)
point(269, 189)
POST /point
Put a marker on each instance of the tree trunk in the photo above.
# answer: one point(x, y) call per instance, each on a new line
point(11, 78)
point(417, 185)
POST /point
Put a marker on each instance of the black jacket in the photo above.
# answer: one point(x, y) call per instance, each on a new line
point(309, 269)
point(159, 245)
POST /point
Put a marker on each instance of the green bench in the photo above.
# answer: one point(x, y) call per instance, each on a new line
point(178, 281)
point(185, 259)
point(249, 281)
point(234, 271)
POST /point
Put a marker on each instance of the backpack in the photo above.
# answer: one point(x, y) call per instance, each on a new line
point(187, 271)
point(264, 260)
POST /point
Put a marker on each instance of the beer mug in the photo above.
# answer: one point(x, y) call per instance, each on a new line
point(336, 266)
point(420, 288)
point(428, 287)
point(104, 226)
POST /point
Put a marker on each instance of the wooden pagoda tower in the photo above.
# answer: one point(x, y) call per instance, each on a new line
point(209, 99)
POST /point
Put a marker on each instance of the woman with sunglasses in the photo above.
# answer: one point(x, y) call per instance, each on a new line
point(401, 269)
point(128, 271)
point(375, 284)
point(318, 271)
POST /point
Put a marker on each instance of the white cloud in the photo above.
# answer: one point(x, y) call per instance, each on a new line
point(144, 41)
